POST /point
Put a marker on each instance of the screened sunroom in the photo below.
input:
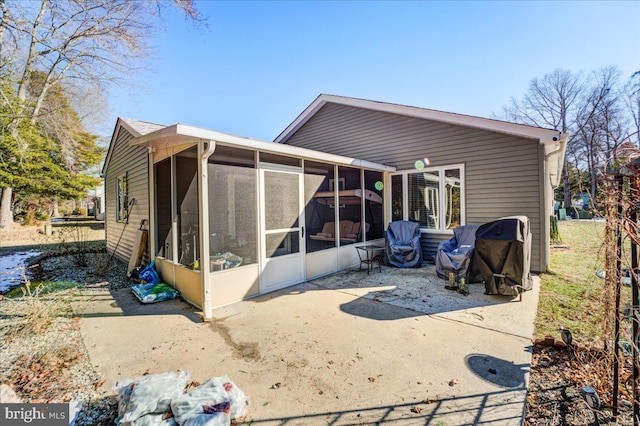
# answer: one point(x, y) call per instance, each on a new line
point(233, 217)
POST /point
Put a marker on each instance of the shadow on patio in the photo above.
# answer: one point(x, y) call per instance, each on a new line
point(419, 289)
point(395, 294)
point(476, 409)
point(122, 302)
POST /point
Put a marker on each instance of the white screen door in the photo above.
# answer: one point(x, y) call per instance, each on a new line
point(282, 223)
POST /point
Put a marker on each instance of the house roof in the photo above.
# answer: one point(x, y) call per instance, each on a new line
point(136, 128)
point(180, 134)
point(554, 142)
point(521, 130)
point(140, 127)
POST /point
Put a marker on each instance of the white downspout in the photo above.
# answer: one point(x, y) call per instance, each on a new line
point(203, 219)
point(152, 206)
point(548, 193)
point(562, 146)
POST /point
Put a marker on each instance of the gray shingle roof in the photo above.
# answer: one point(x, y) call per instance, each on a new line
point(142, 127)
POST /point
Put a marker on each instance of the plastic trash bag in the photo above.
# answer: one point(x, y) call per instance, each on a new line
point(213, 403)
point(219, 419)
point(149, 274)
point(151, 420)
point(231, 260)
point(151, 293)
point(150, 394)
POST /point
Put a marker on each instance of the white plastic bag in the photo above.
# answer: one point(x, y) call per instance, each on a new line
point(239, 401)
point(219, 419)
point(213, 403)
point(151, 420)
point(150, 394)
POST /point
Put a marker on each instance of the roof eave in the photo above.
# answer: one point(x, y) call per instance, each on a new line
point(179, 134)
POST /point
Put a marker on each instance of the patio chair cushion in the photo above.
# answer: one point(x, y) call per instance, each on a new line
point(349, 231)
point(345, 227)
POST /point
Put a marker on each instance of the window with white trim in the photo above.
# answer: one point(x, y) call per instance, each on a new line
point(433, 197)
point(122, 198)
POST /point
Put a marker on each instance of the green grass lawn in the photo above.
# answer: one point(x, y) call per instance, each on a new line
point(571, 292)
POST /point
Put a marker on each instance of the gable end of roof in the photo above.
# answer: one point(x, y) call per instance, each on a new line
point(520, 130)
point(135, 128)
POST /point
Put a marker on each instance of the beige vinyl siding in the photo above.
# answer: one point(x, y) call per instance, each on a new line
point(502, 172)
point(133, 161)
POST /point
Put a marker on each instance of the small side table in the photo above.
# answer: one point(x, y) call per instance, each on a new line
point(369, 254)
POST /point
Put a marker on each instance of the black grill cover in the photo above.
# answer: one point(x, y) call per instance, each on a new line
point(402, 245)
point(503, 247)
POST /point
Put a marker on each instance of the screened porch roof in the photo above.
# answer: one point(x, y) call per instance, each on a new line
point(181, 134)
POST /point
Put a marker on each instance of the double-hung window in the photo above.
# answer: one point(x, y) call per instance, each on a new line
point(433, 197)
point(122, 198)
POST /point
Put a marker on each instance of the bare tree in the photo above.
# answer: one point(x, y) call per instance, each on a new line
point(632, 101)
point(600, 126)
point(578, 104)
point(88, 44)
point(551, 102)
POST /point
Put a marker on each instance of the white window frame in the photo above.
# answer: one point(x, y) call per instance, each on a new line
point(441, 202)
point(122, 200)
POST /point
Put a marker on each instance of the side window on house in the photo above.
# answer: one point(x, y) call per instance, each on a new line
point(122, 198)
point(434, 197)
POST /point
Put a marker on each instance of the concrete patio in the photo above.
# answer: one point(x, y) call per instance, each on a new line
point(349, 348)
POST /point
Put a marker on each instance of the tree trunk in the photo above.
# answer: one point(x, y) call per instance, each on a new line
point(566, 189)
point(6, 213)
point(56, 210)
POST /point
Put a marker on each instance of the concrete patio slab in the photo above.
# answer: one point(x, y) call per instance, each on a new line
point(423, 291)
point(366, 351)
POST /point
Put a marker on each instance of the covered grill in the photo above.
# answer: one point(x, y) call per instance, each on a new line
point(502, 257)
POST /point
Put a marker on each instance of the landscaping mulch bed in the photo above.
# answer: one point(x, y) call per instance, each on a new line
point(556, 380)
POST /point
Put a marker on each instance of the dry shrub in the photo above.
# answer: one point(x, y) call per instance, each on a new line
point(101, 262)
point(78, 236)
point(39, 312)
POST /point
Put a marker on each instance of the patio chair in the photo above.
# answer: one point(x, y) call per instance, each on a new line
point(454, 255)
point(402, 245)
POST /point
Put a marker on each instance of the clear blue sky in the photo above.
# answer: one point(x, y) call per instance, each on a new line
point(261, 63)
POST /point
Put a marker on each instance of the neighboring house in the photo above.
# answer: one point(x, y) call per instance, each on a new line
point(269, 215)
point(97, 203)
